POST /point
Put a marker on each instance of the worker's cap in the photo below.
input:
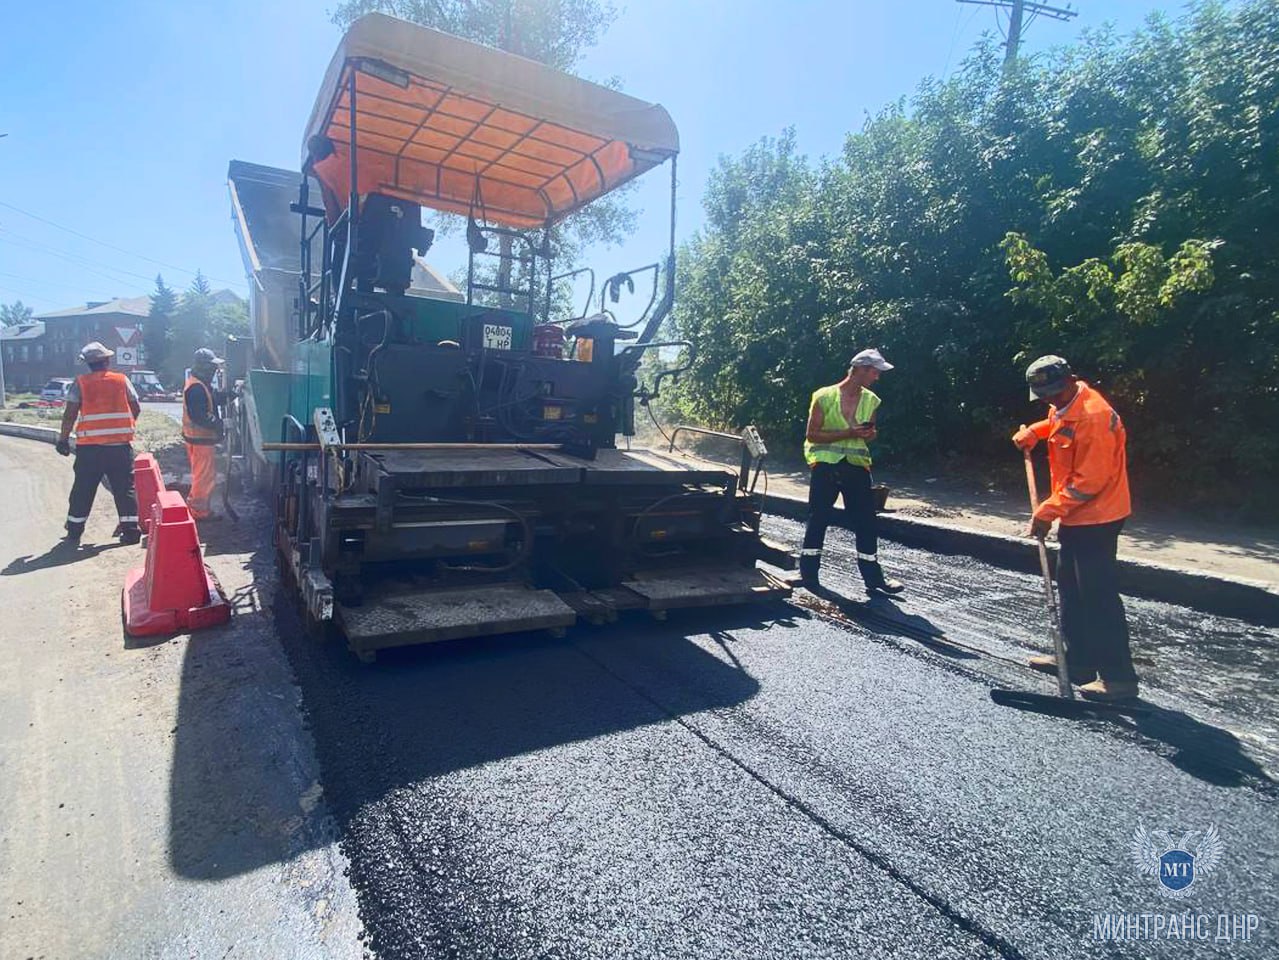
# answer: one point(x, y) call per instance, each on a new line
point(205, 355)
point(92, 352)
point(1047, 377)
point(870, 358)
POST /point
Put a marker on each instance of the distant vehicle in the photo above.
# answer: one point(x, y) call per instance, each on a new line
point(56, 390)
point(149, 387)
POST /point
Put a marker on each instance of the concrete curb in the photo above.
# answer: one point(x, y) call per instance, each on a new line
point(1229, 597)
point(28, 431)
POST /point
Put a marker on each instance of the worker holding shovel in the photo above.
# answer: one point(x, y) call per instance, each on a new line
point(1088, 462)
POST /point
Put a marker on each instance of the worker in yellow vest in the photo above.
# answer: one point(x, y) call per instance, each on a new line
point(841, 419)
point(202, 429)
point(102, 406)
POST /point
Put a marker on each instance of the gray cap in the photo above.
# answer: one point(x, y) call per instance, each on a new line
point(205, 355)
point(870, 358)
point(95, 351)
point(1048, 376)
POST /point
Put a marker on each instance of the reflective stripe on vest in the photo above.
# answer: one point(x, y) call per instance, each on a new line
point(105, 414)
point(193, 432)
point(854, 450)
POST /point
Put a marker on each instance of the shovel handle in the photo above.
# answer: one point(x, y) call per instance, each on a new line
point(1030, 480)
point(1059, 647)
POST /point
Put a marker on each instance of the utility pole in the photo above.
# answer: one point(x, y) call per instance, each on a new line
point(1018, 22)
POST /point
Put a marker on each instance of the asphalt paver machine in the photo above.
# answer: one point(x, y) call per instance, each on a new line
point(444, 461)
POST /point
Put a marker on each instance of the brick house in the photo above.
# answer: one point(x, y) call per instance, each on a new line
point(50, 347)
point(24, 362)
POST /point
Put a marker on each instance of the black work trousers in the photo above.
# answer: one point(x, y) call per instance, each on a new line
point(93, 462)
point(1093, 623)
point(827, 481)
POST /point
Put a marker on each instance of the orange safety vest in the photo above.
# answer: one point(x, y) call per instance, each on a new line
point(1087, 455)
point(105, 414)
point(193, 432)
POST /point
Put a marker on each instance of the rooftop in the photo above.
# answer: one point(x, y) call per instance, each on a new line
point(22, 331)
point(133, 306)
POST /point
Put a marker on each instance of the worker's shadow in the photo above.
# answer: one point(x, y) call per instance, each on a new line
point(1199, 749)
point(59, 555)
point(882, 616)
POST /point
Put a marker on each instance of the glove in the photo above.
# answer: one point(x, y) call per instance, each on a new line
point(63, 446)
point(1039, 528)
point(1025, 439)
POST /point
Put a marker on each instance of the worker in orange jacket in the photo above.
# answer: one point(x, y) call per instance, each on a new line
point(102, 406)
point(1088, 461)
point(202, 429)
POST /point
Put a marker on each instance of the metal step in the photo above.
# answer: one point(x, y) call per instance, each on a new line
point(402, 618)
point(706, 587)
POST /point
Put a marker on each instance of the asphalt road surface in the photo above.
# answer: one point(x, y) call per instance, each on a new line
point(789, 782)
point(815, 778)
point(158, 799)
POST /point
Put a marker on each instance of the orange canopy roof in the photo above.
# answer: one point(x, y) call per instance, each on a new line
point(455, 126)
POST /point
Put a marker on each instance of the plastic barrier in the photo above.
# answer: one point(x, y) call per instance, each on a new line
point(147, 483)
point(174, 592)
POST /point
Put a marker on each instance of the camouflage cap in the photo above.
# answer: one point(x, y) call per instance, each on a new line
point(1048, 376)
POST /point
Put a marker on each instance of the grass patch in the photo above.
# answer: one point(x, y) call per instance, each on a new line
point(156, 432)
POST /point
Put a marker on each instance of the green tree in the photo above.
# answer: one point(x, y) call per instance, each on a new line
point(158, 330)
point(554, 32)
point(1116, 201)
point(193, 327)
point(12, 314)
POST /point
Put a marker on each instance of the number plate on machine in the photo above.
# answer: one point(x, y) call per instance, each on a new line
point(497, 337)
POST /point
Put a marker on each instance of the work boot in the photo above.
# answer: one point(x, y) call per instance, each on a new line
point(74, 532)
point(873, 575)
point(808, 568)
point(1108, 690)
point(129, 533)
point(1048, 665)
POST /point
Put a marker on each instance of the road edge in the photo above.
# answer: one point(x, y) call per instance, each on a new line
point(1213, 593)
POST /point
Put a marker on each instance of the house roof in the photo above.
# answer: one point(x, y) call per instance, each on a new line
point(129, 306)
point(22, 331)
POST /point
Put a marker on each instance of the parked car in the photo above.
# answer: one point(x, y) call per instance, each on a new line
point(150, 388)
point(56, 389)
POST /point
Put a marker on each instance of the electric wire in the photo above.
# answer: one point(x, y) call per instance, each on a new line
point(110, 246)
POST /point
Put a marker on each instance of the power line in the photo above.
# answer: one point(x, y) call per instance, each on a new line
point(27, 243)
point(28, 296)
point(110, 246)
point(72, 292)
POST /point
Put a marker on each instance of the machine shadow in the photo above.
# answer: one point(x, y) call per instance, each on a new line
point(243, 786)
point(431, 711)
point(247, 761)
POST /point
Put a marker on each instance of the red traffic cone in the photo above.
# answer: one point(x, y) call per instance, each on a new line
point(147, 483)
point(174, 592)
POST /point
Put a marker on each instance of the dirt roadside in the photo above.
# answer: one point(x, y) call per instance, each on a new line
point(155, 800)
point(1237, 551)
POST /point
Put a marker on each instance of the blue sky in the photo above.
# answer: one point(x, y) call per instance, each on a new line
point(121, 118)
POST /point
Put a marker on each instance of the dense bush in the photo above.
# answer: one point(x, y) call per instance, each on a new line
point(1116, 202)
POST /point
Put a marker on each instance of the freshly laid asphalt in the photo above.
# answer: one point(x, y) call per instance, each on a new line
point(815, 778)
